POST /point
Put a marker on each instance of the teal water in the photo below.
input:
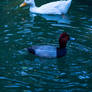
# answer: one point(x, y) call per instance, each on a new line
point(23, 72)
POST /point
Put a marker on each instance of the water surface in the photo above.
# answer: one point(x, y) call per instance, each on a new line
point(23, 72)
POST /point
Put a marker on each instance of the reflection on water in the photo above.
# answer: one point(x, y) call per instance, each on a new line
point(23, 72)
point(57, 18)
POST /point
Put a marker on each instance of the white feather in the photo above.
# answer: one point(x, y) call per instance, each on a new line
point(58, 7)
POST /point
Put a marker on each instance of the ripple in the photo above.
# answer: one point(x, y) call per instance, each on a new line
point(83, 77)
point(23, 71)
point(9, 34)
point(82, 47)
point(1, 77)
point(24, 31)
point(12, 86)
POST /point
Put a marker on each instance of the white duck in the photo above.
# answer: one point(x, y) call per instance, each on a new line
point(57, 7)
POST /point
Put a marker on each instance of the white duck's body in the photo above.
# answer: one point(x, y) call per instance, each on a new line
point(57, 7)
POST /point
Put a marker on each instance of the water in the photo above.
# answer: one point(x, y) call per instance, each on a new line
point(23, 72)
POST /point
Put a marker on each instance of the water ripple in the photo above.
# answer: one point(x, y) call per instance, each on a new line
point(21, 71)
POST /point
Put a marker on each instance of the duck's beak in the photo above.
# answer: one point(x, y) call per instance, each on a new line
point(23, 4)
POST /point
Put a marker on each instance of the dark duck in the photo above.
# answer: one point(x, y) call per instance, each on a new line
point(48, 51)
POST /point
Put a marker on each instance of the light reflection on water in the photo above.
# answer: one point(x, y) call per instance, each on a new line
point(21, 71)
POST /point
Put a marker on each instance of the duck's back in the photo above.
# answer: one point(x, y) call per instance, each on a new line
point(45, 51)
point(57, 7)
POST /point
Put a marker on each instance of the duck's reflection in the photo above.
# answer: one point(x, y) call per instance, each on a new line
point(51, 18)
point(57, 18)
point(62, 65)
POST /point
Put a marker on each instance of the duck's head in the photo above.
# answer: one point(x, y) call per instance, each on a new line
point(27, 2)
point(64, 37)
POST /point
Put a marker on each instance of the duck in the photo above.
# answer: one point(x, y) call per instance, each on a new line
point(56, 7)
point(51, 51)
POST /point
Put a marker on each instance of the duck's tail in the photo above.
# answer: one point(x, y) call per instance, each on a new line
point(69, 0)
point(31, 50)
point(66, 0)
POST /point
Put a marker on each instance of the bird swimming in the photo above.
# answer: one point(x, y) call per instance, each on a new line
point(50, 51)
point(56, 7)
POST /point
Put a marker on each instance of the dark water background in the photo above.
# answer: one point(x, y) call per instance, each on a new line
point(23, 72)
